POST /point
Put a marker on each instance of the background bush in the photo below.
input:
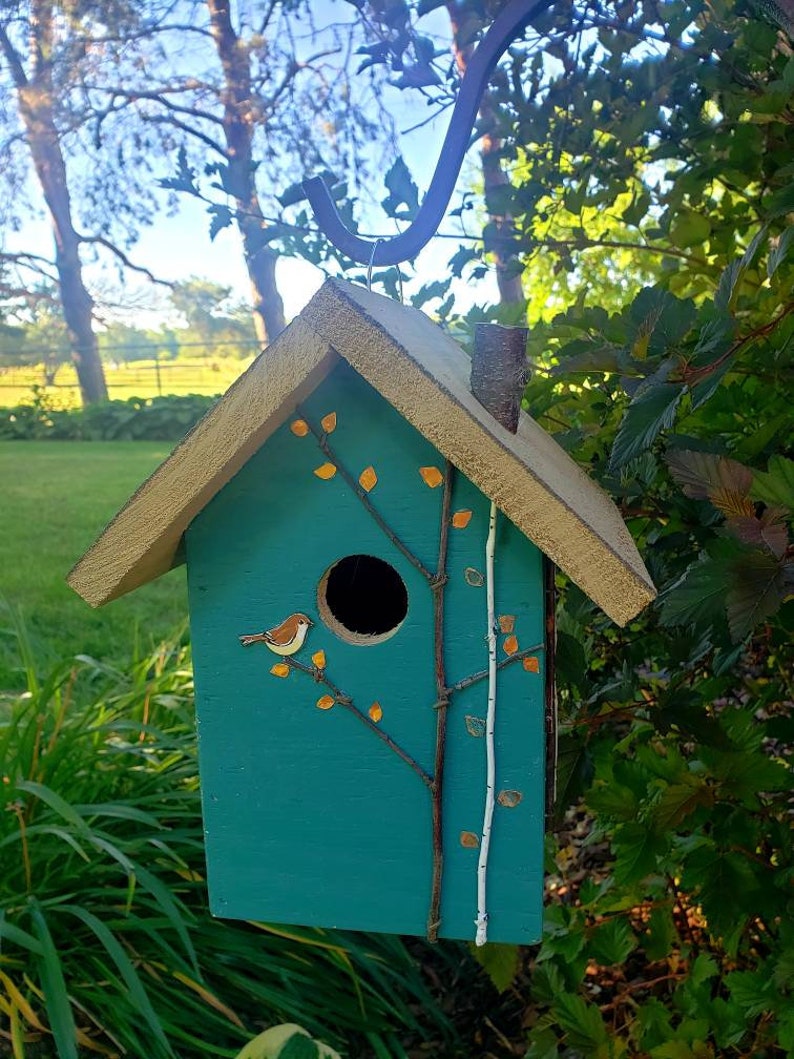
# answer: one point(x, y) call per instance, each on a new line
point(136, 419)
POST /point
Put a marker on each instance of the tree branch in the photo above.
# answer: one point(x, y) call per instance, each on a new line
point(475, 678)
point(100, 240)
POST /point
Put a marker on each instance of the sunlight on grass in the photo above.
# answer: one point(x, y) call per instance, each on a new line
point(57, 497)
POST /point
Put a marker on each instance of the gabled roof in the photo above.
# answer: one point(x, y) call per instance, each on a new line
point(425, 376)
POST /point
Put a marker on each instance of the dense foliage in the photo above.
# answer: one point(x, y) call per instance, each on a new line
point(666, 139)
point(136, 419)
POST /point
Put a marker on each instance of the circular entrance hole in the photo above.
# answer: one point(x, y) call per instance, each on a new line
point(362, 599)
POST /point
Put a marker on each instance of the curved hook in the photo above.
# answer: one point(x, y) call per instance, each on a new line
point(513, 18)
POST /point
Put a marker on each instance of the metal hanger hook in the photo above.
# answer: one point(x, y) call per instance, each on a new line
point(511, 20)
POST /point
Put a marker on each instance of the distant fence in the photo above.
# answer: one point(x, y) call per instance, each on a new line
point(136, 379)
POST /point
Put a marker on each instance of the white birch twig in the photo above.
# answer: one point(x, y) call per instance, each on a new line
point(490, 725)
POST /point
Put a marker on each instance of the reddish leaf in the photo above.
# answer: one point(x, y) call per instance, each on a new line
point(328, 423)
point(531, 664)
point(299, 428)
point(507, 622)
point(510, 646)
point(461, 519)
point(704, 476)
point(769, 531)
point(469, 840)
point(758, 589)
point(509, 799)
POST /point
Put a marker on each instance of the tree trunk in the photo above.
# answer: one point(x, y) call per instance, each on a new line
point(494, 177)
point(238, 127)
point(35, 99)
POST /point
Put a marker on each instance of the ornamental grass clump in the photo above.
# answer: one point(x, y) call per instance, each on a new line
point(106, 945)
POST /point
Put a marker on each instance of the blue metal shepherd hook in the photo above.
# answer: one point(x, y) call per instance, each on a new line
point(511, 20)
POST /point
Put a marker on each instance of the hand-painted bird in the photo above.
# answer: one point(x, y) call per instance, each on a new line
point(284, 639)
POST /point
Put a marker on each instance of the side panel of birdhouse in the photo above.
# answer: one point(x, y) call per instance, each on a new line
point(317, 781)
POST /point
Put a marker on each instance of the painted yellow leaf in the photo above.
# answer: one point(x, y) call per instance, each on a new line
point(318, 658)
point(461, 519)
point(531, 664)
point(510, 645)
point(325, 702)
point(326, 471)
point(509, 799)
point(376, 711)
point(328, 423)
point(280, 669)
point(507, 622)
point(368, 479)
point(469, 840)
point(431, 476)
point(300, 428)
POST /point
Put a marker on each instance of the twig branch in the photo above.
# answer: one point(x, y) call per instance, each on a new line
point(327, 451)
point(100, 240)
point(341, 699)
point(437, 585)
point(475, 678)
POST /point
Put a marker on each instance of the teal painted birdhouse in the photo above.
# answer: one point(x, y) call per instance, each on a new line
point(367, 554)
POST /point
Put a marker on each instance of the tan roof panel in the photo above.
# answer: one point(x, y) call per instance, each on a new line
point(424, 375)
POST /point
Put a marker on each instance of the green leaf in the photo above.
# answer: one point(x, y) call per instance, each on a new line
point(698, 596)
point(776, 484)
point(679, 800)
point(53, 986)
point(299, 1047)
point(612, 941)
point(651, 411)
point(689, 229)
point(753, 991)
point(221, 217)
point(780, 252)
point(403, 192)
point(543, 1045)
point(500, 962)
point(584, 1028)
point(637, 849)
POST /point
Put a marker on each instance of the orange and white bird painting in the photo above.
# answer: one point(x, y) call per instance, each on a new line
point(284, 639)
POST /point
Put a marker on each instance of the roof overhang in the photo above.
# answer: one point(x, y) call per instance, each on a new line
point(424, 374)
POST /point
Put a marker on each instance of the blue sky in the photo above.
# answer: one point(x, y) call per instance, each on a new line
point(177, 247)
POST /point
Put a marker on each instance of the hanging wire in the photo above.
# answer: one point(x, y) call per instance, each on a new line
point(375, 246)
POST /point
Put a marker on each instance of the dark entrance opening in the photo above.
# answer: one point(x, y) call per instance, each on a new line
point(362, 599)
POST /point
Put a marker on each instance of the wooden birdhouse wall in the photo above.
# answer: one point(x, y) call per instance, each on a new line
point(310, 818)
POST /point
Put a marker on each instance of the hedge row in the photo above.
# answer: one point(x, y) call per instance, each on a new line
point(136, 419)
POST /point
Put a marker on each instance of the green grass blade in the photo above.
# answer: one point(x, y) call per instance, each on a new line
point(20, 937)
point(56, 995)
point(56, 803)
point(138, 994)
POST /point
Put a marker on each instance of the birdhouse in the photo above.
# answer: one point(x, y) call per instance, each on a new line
point(365, 549)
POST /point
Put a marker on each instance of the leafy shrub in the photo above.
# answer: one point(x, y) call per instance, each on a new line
point(136, 419)
point(107, 945)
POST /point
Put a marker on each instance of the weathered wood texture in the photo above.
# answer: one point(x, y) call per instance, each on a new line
point(309, 818)
point(424, 375)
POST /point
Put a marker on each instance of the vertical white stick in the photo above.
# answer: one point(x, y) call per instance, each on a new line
point(490, 725)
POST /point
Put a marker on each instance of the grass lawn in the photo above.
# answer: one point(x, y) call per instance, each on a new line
point(57, 497)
